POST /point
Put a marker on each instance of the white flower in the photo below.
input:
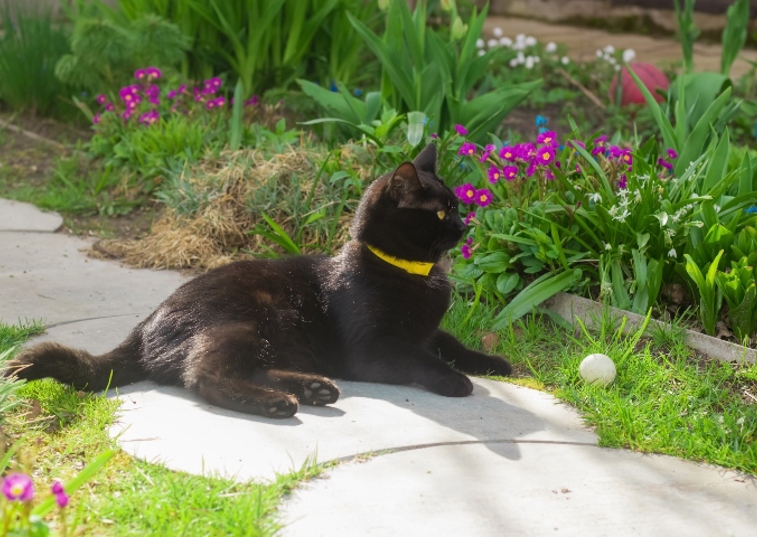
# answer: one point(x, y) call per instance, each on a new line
point(551, 47)
point(505, 41)
point(629, 55)
point(514, 62)
point(480, 43)
point(529, 62)
point(608, 247)
point(492, 43)
point(521, 58)
point(596, 197)
point(617, 67)
point(530, 41)
point(609, 49)
point(481, 52)
point(518, 46)
point(537, 59)
point(663, 218)
point(611, 60)
point(520, 38)
point(497, 32)
point(716, 207)
point(673, 253)
point(740, 421)
point(622, 216)
point(565, 60)
point(599, 53)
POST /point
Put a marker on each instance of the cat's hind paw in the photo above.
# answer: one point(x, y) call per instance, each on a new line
point(318, 392)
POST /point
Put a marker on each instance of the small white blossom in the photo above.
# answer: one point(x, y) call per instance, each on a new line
point(529, 62)
point(551, 47)
point(596, 197)
point(672, 253)
point(481, 52)
point(609, 49)
point(599, 53)
point(629, 55)
point(521, 58)
point(717, 208)
point(514, 62)
point(617, 67)
point(505, 41)
point(608, 247)
point(622, 216)
point(613, 210)
point(480, 43)
point(497, 32)
point(565, 60)
point(492, 43)
point(740, 421)
point(530, 41)
point(520, 38)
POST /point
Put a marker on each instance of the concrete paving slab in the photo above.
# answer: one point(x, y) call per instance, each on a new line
point(46, 276)
point(159, 423)
point(482, 490)
point(19, 216)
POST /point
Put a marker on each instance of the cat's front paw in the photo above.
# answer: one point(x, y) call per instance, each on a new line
point(453, 384)
point(496, 366)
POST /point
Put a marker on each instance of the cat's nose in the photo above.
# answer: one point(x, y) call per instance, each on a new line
point(459, 224)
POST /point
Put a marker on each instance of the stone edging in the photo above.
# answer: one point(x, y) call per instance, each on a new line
point(571, 307)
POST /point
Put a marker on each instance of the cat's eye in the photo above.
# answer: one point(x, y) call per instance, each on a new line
point(441, 214)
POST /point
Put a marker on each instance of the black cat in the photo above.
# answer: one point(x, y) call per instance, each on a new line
point(261, 336)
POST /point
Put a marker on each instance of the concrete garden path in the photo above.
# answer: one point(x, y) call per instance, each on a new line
point(505, 461)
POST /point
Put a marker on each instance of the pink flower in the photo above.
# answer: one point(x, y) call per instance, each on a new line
point(434, 135)
point(148, 118)
point(153, 72)
point(487, 151)
point(110, 107)
point(664, 163)
point(470, 216)
point(525, 151)
point(462, 131)
point(129, 93)
point(467, 149)
point(101, 99)
point(531, 169)
point(252, 101)
point(466, 250)
point(623, 182)
point(61, 498)
point(627, 157)
point(466, 193)
point(510, 172)
point(545, 155)
point(672, 155)
point(96, 119)
point(549, 176)
point(547, 137)
point(494, 174)
point(172, 94)
point(18, 488)
point(600, 141)
point(483, 197)
point(508, 153)
point(140, 74)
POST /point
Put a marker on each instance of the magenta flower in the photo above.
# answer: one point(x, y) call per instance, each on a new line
point(96, 119)
point(140, 74)
point(126, 114)
point(153, 72)
point(525, 151)
point(487, 152)
point(61, 498)
point(510, 172)
point(483, 197)
point(221, 101)
point(545, 155)
point(470, 216)
point(466, 193)
point(600, 141)
point(18, 488)
point(531, 168)
point(627, 157)
point(148, 118)
point(110, 107)
point(172, 94)
point(462, 131)
point(129, 93)
point(549, 176)
point(466, 251)
point(495, 174)
point(615, 151)
point(252, 101)
point(434, 135)
point(623, 182)
point(508, 153)
point(197, 94)
point(672, 155)
point(467, 149)
point(101, 98)
point(547, 137)
point(182, 89)
point(664, 163)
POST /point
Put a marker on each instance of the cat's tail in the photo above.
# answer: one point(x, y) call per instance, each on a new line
point(78, 367)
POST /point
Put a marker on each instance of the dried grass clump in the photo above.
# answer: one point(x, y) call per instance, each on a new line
point(214, 204)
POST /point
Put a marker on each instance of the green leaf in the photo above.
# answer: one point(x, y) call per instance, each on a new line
point(507, 282)
point(544, 287)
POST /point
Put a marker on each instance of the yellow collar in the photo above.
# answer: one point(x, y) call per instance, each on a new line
point(413, 267)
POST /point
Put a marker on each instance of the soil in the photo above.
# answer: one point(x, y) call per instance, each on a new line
point(29, 148)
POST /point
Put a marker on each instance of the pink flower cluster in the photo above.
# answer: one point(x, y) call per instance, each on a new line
point(20, 488)
point(144, 90)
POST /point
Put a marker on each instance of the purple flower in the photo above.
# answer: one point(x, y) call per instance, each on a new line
point(466, 193)
point(545, 155)
point(126, 114)
point(483, 197)
point(615, 151)
point(172, 94)
point(140, 74)
point(129, 93)
point(470, 216)
point(467, 149)
point(664, 163)
point(531, 168)
point(487, 151)
point(434, 135)
point(182, 89)
point(221, 101)
point(18, 488)
point(101, 98)
point(600, 141)
point(494, 174)
point(508, 153)
point(110, 107)
point(61, 498)
point(197, 94)
point(96, 119)
point(525, 151)
point(549, 176)
point(672, 155)
point(152, 90)
point(148, 118)
point(252, 101)
point(510, 172)
point(462, 131)
point(623, 182)
point(153, 72)
point(548, 138)
point(466, 251)
point(627, 157)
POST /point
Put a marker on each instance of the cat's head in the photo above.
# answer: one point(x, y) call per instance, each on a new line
point(409, 213)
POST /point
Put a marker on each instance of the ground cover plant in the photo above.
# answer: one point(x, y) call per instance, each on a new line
point(59, 464)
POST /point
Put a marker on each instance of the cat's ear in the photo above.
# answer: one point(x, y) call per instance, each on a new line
point(426, 159)
point(404, 180)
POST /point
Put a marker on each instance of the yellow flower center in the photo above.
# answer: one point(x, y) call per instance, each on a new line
point(17, 490)
point(484, 197)
point(545, 156)
point(469, 194)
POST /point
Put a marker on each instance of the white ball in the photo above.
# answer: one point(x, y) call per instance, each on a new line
point(597, 369)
